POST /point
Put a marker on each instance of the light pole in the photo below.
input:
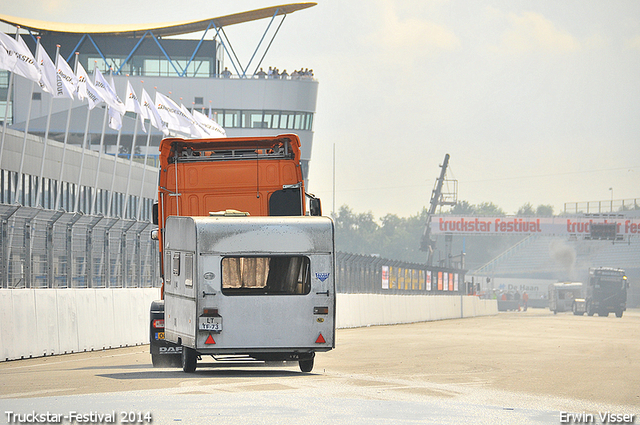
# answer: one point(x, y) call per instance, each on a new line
point(611, 189)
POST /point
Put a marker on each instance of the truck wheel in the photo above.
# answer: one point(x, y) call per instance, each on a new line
point(189, 360)
point(590, 310)
point(619, 313)
point(157, 360)
point(166, 360)
point(306, 365)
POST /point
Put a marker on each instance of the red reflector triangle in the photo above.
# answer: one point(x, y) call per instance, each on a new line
point(210, 340)
point(320, 339)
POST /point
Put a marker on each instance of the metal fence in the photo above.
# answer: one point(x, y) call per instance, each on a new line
point(374, 275)
point(42, 248)
point(53, 249)
point(599, 207)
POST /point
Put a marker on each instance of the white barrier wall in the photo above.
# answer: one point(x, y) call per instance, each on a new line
point(354, 310)
point(43, 322)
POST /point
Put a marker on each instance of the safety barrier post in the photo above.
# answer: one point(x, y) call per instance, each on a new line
point(123, 250)
point(48, 244)
point(107, 254)
point(5, 248)
point(89, 251)
point(26, 245)
point(69, 247)
point(138, 254)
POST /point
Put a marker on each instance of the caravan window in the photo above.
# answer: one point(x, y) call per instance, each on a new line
point(275, 275)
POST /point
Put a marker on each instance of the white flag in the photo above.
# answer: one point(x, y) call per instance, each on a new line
point(19, 58)
point(150, 112)
point(48, 71)
point(86, 89)
point(7, 58)
point(115, 119)
point(108, 92)
point(195, 129)
point(213, 128)
point(131, 104)
point(67, 80)
point(172, 114)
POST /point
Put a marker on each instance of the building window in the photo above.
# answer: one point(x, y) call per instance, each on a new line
point(283, 120)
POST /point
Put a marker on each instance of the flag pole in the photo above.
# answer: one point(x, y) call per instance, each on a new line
point(113, 174)
point(66, 138)
point(133, 148)
point(46, 138)
point(84, 142)
point(95, 182)
point(144, 169)
point(6, 109)
point(24, 137)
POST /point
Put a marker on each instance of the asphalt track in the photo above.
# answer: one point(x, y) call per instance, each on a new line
point(518, 367)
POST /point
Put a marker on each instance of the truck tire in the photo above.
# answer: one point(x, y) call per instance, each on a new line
point(157, 360)
point(619, 313)
point(575, 310)
point(306, 365)
point(189, 360)
point(590, 310)
point(167, 360)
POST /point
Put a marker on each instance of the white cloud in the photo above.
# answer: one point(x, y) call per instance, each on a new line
point(532, 32)
point(633, 43)
point(419, 36)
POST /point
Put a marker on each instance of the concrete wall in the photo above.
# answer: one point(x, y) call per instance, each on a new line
point(43, 322)
point(355, 310)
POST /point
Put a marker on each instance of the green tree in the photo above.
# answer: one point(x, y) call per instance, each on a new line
point(544, 211)
point(526, 210)
point(354, 232)
point(489, 208)
point(463, 208)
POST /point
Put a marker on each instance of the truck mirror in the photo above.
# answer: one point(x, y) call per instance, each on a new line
point(154, 214)
point(315, 208)
point(154, 234)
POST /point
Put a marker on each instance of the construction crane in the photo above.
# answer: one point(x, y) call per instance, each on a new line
point(438, 197)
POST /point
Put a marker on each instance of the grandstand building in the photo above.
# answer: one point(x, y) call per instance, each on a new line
point(202, 73)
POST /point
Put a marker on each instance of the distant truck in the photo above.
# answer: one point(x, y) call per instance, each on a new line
point(258, 177)
point(563, 294)
point(606, 292)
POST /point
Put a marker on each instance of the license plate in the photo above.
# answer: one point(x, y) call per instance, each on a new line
point(213, 324)
point(159, 335)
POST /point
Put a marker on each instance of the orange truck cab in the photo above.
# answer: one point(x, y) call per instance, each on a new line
point(258, 176)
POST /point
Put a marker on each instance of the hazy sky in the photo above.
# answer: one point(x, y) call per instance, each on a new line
point(535, 101)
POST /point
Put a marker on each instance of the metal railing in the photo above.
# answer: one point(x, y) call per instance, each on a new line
point(42, 248)
point(599, 207)
point(374, 275)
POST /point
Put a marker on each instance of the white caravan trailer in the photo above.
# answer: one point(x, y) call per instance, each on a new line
point(257, 286)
